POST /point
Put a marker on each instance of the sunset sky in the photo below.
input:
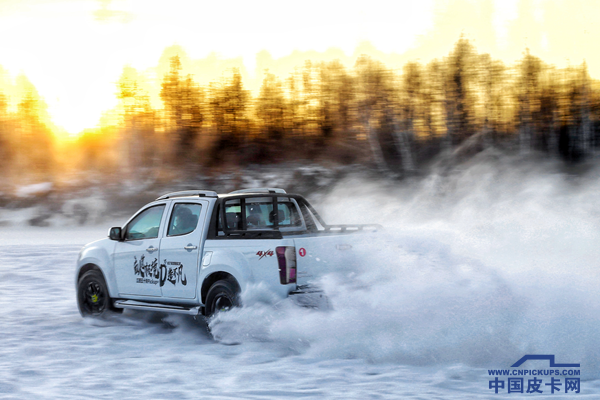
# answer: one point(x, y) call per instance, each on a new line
point(73, 51)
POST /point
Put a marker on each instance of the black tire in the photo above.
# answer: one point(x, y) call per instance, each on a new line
point(92, 295)
point(222, 296)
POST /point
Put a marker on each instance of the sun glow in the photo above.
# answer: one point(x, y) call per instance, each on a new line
point(73, 52)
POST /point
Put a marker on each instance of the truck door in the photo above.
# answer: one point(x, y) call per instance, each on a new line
point(137, 268)
point(180, 248)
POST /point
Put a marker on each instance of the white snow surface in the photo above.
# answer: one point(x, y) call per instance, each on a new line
point(474, 270)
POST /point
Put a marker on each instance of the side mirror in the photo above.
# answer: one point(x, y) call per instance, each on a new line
point(115, 233)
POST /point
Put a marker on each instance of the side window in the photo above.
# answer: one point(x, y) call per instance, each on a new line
point(184, 219)
point(288, 215)
point(260, 214)
point(257, 213)
point(233, 215)
point(145, 225)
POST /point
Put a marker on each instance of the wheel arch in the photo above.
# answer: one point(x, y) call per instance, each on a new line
point(89, 267)
point(93, 265)
point(214, 277)
point(98, 255)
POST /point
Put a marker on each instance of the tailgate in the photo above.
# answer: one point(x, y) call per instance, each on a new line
point(317, 255)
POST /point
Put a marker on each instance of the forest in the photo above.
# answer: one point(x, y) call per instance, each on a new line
point(393, 121)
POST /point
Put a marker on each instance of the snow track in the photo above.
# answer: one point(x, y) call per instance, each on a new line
point(477, 269)
point(47, 351)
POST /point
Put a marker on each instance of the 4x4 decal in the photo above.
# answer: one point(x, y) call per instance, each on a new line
point(151, 273)
point(262, 254)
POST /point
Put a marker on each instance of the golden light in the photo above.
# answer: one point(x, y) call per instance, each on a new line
point(74, 51)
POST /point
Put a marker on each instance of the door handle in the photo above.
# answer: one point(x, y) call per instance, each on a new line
point(343, 246)
point(190, 247)
point(151, 249)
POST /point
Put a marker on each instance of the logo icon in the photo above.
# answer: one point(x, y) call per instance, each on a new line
point(543, 357)
point(302, 252)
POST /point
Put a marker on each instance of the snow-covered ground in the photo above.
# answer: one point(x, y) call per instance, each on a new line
point(475, 269)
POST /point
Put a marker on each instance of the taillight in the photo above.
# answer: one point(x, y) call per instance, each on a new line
point(286, 257)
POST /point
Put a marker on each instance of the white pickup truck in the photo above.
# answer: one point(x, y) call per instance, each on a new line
point(194, 252)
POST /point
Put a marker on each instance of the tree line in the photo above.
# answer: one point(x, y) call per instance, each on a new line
point(396, 121)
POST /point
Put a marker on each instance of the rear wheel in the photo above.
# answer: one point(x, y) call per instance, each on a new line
point(92, 294)
point(222, 296)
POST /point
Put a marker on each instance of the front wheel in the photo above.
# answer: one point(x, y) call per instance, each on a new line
point(222, 296)
point(92, 294)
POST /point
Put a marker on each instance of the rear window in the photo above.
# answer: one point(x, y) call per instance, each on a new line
point(259, 214)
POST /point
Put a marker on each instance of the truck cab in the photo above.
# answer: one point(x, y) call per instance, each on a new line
point(194, 252)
